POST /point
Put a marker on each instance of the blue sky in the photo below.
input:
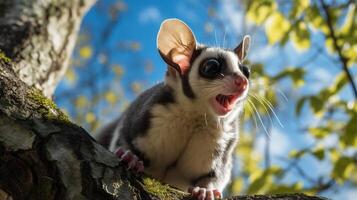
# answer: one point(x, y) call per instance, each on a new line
point(140, 23)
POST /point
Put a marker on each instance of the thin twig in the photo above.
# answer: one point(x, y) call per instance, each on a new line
point(338, 48)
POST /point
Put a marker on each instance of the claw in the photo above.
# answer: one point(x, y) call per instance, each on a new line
point(204, 194)
point(119, 152)
point(130, 159)
point(217, 194)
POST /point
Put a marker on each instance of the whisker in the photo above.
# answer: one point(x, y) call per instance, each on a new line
point(215, 38)
point(253, 115)
point(271, 107)
point(282, 94)
point(260, 119)
point(224, 37)
point(264, 106)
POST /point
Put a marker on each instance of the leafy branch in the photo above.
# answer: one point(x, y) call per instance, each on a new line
point(338, 48)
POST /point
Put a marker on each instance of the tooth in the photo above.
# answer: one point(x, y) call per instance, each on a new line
point(226, 102)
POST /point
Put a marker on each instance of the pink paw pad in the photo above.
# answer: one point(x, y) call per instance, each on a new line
point(204, 194)
point(130, 159)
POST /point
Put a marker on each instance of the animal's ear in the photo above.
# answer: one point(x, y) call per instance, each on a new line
point(176, 44)
point(242, 49)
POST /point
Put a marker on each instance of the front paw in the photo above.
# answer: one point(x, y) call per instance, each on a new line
point(204, 194)
point(130, 159)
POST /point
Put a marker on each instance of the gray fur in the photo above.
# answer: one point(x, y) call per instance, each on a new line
point(136, 123)
point(174, 129)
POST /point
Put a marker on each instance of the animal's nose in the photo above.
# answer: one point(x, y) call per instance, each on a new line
point(241, 82)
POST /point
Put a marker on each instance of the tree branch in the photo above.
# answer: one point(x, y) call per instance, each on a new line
point(44, 156)
point(338, 48)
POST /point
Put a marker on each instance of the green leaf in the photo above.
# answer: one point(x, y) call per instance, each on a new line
point(238, 185)
point(317, 105)
point(339, 83)
point(295, 73)
point(257, 184)
point(276, 27)
point(350, 19)
point(298, 8)
point(315, 19)
point(342, 169)
point(259, 11)
point(262, 180)
point(297, 153)
point(300, 103)
point(319, 132)
point(349, 136)
point(300, 36)
point(319, 153)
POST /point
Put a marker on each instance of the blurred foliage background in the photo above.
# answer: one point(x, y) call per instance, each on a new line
point(299, 129)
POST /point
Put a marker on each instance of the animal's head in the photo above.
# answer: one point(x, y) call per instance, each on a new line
point(209, 78)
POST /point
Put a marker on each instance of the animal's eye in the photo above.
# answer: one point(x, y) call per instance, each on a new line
point(245, 70)
point(210, 68)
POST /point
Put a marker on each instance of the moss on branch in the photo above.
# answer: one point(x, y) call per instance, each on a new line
point(48, 109)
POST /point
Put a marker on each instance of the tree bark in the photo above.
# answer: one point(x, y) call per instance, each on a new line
point(42, 154)
point(39, 36)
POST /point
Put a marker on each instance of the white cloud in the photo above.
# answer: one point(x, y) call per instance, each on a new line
point(150, 14)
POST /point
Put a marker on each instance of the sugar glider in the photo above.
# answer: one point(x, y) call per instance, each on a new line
point(183, 131)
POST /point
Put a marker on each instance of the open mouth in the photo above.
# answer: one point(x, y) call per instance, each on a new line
point(224, 103)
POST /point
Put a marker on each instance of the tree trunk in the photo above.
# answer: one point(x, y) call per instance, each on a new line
point(38, 36)
point(42, 154)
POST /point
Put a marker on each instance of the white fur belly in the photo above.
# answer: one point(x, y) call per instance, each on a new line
point(166, 139)
point(181, 137)
point(202, 156)
point(197, 159)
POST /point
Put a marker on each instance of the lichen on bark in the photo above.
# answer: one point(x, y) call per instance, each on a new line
point(4, 57)
point(47, 107)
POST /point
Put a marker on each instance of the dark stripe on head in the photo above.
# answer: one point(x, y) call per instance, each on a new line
point(196, 53)
point(187, 89)
point(209, 175)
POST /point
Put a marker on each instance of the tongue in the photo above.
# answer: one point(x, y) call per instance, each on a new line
point(224, 100)
point(227, 103)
